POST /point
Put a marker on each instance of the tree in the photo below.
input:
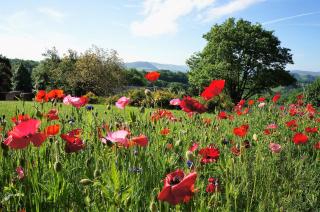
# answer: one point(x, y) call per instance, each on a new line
point(5, 74)
point(135, 77)
point(21, 80)
point(247, 56)
point(99, 71)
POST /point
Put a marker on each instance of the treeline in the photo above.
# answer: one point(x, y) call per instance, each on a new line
point(96, 70)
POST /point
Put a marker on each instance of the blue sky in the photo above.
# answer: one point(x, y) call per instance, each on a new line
point(165, 31)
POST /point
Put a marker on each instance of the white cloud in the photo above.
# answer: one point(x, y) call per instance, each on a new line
point(161, 16)
point(52, 13)
point(229, 8)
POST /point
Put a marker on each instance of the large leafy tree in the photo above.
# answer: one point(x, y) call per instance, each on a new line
point(247, 56)
point(21, 80)
point(5, 74)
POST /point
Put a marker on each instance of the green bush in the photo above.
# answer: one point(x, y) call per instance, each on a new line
point(221, 102)
point(94, 99)
point(313, 93)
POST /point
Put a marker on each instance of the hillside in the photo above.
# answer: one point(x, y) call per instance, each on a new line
point(144, 65)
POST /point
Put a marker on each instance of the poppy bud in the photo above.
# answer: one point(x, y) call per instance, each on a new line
point(89, 162)
point(255, 137)
point(147, 92)
point(108, 107)
point(87, 200)
point(85, 182)
point(189, 155)
point(39, 114)
point(96, 173)
point(57, 166)
point(153, 207)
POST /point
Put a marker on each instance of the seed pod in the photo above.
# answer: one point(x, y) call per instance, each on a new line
point(108, 107)
point(96, 173)
point(255, 137)
point(85, 182)
point(57, 166)
point(190, 155)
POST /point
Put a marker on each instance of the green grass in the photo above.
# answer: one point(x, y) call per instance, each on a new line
point(257, 180)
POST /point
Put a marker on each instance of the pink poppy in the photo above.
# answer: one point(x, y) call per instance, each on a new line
point(75, 101)
point(119, 136)
point(275, 148)
point(20, 172)
point(175, 102)
point(272, 126)
point(122, 102)
point(261, 105)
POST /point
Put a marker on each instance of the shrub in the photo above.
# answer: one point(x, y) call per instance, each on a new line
point(313, 93)
point(94, 99)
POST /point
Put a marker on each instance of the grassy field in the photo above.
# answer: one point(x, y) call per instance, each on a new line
point(109, 177)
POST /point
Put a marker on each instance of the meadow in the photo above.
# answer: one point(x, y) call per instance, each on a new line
point(239, 171)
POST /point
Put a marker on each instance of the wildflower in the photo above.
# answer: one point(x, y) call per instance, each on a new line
point(209, 154)
point(52, 130)
point(175, 102)
point(300, 138)
point(52, 115)
point(20, 172)
point(141, 140)
point(214, 89)
point(119, 136)
point(178, 187)
point(41, 96)
point(276, 97)
point(261, 105)
point(311, 129)
point(222, 115)
point(122, 102)
point(213, 185)
point(89, 107)
point(75, 101)
point(73, 141)
point(189, 104)
point(24, 133)
point(165, 131)
point(241, 131)
point(152, 76)
point(275, 148)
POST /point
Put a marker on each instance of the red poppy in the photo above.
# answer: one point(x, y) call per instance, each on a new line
point(20, 118)
point(55, 94)
point(214, 89)
point(241, 131)
point(300, 138)
point(141, 140)
point(261, 99)
point(159, 114)
point(267, 131)
point(52, 115)
point(250, 102)
point(178, 188)
point(276, 97)
point(152, 76)
point(209, 154)
point(207, 121)
point(242, 102)
point(317, 145)
point(41, 96)
point(52, 130)
point(311, 129)
point(73, 141)
point(24, 133)
point(165, 131)
point(222, 115)
point(189, 104)
point(193, 147)
point(213, 185)
point(292, 124)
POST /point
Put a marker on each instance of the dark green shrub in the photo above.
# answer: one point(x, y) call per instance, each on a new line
point(313, 93)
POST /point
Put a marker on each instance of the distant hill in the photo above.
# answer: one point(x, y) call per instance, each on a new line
point(305, 76)
point(144, 65)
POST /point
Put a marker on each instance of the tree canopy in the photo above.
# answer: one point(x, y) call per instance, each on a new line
point(247, 56)
point(5, 74)
point(21, 80)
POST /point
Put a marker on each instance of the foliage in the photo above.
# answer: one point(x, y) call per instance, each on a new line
point(21, 80)
point(95, 70)
point(5, 74)
point(313, 93)
point(247, 56)
point(135, 77)
point(221, 102)
point(94, 99)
